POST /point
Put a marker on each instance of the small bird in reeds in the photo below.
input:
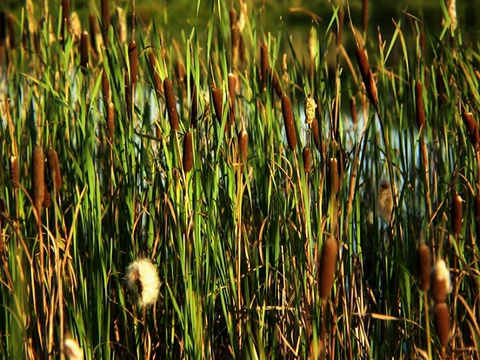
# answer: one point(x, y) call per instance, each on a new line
point(384, 200)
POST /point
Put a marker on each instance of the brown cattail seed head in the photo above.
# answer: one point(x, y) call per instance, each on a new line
point(316, 134)
point(368, 80)
point(420, 106)
point(457, 213)
point(105, 19)
point(38, 177)
point(54, 168)
point(65, 16)
point(14, 172)
point(243, 144)
point(188, 152)
point(326, 269)
point(289, 122)
point(105, 86)
point(472, 128)
point(442, 322)
point(384, 200)
point(231, 97)
point(128, 95)
point(440, 282)
point(424, 266)
point(333, 170)
point(133, 58)
point(171, 104)
point(307, 160)
point(84, 50)
point(111, 120)
point(218, 103)
point(310, 107)
point(93, 26)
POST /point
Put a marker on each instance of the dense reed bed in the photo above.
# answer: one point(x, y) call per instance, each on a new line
point(217, 194)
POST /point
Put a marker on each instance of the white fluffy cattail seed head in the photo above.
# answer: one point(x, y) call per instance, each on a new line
point(142, 279)
point(72, 350)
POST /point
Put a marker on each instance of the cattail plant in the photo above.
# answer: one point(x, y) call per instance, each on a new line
point(442, 322)
point(110, 120)
point(243, 145)
point(142, 279)
point(133, 59)
point(157, 82)
point(310, 107)
point(419, 101)
point(93, 27)
point(54, 169)
point(38, 177)
point(105, 86)
point(441, 283)
point(71, 349)
point(234, 35)
point(14, 172)
point(84, 51)
point(128, 94)
point(171, 104)
point(472, 128)
point(65, 18)
point(218, 104)
point(326, 268)
point(368, 80)
point(384, 200)
point(289, 122)
point(365, 16)
point(457, 213)
point(424, 266)
point(307, 160)
point(231, 97)
point(187, 152)
point(333, 172)
point(316, 135)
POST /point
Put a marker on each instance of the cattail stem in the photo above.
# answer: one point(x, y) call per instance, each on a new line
point(232, 81)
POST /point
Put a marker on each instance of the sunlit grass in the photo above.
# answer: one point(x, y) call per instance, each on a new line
point(228, 165)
